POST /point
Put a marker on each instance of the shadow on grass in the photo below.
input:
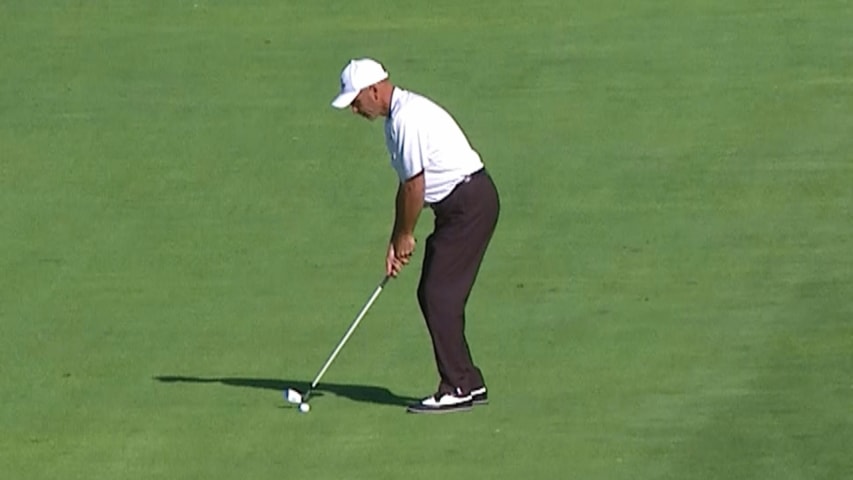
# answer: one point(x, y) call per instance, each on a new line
point(358, 393)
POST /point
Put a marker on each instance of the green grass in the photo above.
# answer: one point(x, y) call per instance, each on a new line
point(669, 294)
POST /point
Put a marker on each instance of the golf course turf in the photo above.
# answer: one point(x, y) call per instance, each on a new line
point(187, 228)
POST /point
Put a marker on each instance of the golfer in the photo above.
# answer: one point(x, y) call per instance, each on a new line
point(438, 169)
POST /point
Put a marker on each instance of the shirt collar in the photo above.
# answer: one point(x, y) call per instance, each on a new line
point(396, 100)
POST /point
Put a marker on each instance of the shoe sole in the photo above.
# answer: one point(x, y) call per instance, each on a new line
point(481, 402)
point(437, 411)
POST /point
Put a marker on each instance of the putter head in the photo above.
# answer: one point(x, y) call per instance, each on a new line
point(292, 396)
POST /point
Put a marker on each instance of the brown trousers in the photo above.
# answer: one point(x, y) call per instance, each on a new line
point(464, 223)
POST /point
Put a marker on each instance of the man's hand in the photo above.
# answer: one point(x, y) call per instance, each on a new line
point(400, 251)
point(392, 265)
point(404, 247)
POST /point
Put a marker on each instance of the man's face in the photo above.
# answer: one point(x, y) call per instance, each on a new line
point(367, 103)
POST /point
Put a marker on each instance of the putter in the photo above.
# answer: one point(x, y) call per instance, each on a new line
point(293, 395)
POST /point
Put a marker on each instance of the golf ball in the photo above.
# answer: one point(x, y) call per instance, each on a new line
point(304, 407)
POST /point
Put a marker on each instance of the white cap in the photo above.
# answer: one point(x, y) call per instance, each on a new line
point(357, 75)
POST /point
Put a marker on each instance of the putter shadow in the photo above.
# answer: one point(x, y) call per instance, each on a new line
point(358, 393)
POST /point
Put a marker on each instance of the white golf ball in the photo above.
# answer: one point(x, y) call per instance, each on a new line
point(304, 407)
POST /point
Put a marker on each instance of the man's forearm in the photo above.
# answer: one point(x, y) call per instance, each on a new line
point(409, 203)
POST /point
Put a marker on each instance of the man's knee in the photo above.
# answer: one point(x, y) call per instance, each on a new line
point(422, 295)
point(441, 296)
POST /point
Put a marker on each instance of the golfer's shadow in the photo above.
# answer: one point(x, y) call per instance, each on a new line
point(358, 393)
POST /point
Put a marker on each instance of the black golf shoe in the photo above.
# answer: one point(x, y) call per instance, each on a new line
point(442, 403)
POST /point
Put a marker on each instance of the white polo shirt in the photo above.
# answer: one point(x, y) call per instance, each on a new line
point(422, 137)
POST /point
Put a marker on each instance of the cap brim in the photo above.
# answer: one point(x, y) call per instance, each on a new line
point(344, 99)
